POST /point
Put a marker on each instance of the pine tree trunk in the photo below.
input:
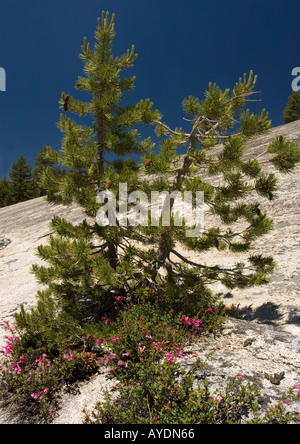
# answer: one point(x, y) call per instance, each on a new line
point(112, 248)
point(163, 252)
point(100, 151)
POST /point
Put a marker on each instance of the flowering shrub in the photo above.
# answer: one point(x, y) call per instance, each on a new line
point(34, 380)
point(26, 378)
point(167, 395)
point(146, 355)
point(212, 317)
point(144, 335)
point(279, 414)
point(144, 347)
point(133, 336)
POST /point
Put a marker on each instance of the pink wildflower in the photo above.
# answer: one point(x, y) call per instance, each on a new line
point(8, 349)
point(69, 357)
point(180, 355)
point(43, 360)
point(115, 339)
point(170, 357)
point(190, 321)
point(185, 320)
point(126, 354)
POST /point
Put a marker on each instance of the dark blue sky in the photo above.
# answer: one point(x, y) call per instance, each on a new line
point(182, 45)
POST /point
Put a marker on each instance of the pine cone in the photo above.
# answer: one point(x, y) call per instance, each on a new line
point(90, 364)
point(65, 106)
point(109, 184)
point(148, 163)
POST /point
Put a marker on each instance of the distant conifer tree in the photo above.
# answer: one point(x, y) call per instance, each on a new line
point(6, 194)
point(22, 181)
point(292, 110)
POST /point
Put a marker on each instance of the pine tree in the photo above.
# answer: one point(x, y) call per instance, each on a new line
point(22, 180)
point(292, 110)
point(89, 265)
point(6, 195)
point(84, 266)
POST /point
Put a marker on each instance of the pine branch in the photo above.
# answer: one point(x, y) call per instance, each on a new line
point(174, 133)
